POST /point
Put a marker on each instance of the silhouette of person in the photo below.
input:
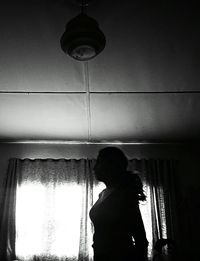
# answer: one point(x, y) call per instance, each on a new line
point(119, 232)
point(162, 254)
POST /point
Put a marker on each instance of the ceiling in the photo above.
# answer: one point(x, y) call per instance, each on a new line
point(144, 86)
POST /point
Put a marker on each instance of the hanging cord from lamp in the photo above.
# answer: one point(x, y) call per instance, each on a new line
point(88, 102)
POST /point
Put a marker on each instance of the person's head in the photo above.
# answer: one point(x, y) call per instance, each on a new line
point(111, 168)
point(111, 163)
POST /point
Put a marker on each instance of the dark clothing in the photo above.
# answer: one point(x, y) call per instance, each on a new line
point(118, 227)
point(158, 257)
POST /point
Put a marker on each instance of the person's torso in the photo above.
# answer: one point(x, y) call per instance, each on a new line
point(109, 218)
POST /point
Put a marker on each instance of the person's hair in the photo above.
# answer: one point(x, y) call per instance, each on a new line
point(118, 163)
point(134, 182)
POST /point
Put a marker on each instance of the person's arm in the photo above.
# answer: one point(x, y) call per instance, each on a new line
point(137, 229)
point(139, 235)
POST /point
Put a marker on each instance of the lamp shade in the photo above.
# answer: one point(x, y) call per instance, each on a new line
point(82, 39)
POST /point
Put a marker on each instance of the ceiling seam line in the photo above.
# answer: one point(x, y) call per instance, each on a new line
point(147, 92)
point(96, 92)
point(18, 141)
point(87, 89)
point(28, 93)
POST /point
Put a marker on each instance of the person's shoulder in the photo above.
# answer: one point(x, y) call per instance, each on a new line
point(101, 193)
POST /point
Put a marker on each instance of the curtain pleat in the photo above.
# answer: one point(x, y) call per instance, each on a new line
point(161, 180)
point(7, 218)
point(87, 202)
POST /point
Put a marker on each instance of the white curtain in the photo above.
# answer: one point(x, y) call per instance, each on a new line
point(160, 209)
point(52, 204)
point(53, 197)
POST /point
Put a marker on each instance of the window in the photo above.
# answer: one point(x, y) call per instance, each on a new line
point(48, 220)
point(53, 199)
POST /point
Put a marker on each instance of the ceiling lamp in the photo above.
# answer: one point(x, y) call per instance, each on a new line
point(82, 39)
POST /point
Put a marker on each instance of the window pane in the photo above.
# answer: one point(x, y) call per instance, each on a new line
point(48, 220)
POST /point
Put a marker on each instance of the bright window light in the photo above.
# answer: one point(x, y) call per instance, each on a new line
point(48, 219)
point(29, 219)
point(67, 221)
